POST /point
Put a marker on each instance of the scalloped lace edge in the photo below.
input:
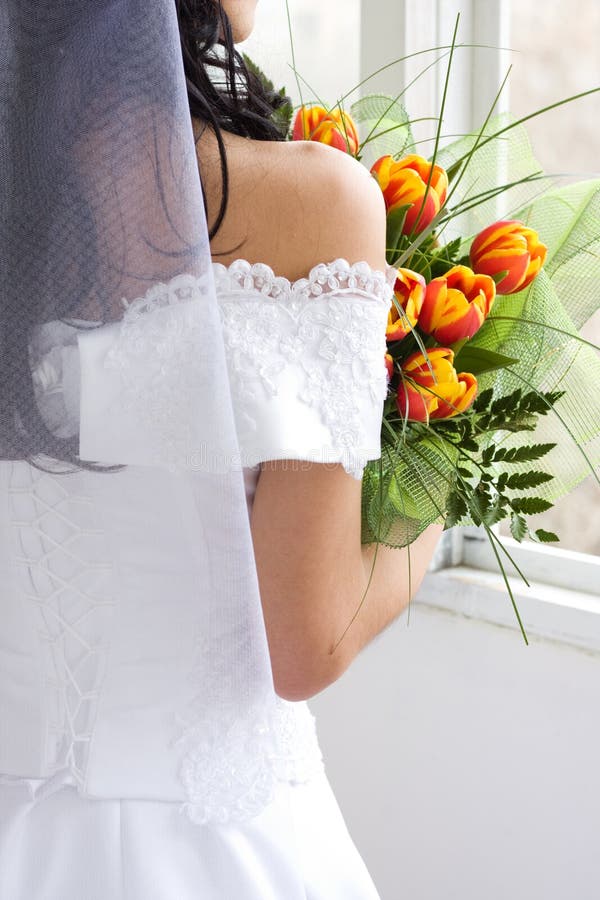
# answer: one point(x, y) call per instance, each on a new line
point(338, 275)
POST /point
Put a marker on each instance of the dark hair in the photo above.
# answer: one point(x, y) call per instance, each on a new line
point(241, 104)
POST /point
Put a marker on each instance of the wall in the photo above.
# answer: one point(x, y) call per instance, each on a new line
point(327, 46)
point(467, 764)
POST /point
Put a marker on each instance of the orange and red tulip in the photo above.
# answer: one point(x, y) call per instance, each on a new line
point(336, 128)
point(457, 304)
point(409, 293)
point(431, 387)
point(508, 247)
point(404, 183)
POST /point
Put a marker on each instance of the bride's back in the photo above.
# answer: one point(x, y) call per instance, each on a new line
point(291, 205)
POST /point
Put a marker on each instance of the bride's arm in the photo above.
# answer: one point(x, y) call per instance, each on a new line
point(306, 523)
point(313, 572)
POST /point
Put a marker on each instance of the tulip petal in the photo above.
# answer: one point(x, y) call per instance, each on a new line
point(411, 182)
point(511, 247)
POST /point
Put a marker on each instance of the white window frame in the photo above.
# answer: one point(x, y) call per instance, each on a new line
point(563, 600)
point(394, 28)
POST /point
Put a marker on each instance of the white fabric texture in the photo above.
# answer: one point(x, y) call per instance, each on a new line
point(64, 847)
point(105, 738)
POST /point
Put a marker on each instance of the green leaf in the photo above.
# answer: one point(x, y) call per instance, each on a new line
point(528, 480)
point(453, 170)
point(538, 402)
point(457, 346)
point(498, 276)
point(487, 457)
point(445, 258)
point(522, 454)
point(501, 483)
point(508, 402)
point(491, 509)
point(518, 527)
point(470, 445)
point(530, 505)
point(256, 70)
point(283, 115)
point(456, 509)
point(483, 400)
point(476, 360)
point(395, 223)
point(546, 537)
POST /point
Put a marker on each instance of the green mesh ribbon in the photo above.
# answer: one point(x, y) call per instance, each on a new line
point(408, 488)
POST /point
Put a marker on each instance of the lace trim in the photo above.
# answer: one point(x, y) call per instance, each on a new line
point(238, 739)
point(333, 353)
point(232, 764)
point(323, 278)
point(159, 356)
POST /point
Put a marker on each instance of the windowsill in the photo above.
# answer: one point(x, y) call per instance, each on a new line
point(555, 613)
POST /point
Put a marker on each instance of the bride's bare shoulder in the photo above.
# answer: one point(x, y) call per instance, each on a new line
point(295, 204)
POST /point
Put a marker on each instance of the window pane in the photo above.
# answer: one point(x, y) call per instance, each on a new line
point(327, 44)
point(556, 55)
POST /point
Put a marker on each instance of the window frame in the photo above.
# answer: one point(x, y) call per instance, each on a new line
point(415, 25)
point(562, 576)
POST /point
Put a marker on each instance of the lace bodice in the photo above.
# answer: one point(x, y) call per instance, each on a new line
point(306, 361)
point(308, 380)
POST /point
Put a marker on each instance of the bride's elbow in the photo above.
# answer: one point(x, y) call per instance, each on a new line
point(301, 686)
point(302, 674)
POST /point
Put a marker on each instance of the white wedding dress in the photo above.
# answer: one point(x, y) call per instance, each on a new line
point(100, 797)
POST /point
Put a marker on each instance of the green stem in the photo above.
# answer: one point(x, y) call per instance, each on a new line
point(491, 538)
point(575, 337)
point(292, 48)
point(475, 146)
point(399, 59)
point(533, 115)
point(374, 137)
point(489, 194)
point(404, 90)
point(440, 121)
point(508, 556)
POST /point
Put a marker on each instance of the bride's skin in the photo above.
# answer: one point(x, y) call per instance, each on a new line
point(293, 205)
point(241, 16)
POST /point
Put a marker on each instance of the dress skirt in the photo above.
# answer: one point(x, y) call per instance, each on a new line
point(56, 844)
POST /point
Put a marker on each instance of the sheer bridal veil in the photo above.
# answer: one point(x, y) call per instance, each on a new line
point(104, 238)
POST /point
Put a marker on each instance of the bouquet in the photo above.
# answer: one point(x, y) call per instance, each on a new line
point(493, 406)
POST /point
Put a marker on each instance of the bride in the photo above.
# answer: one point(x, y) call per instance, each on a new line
point(165, 619)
